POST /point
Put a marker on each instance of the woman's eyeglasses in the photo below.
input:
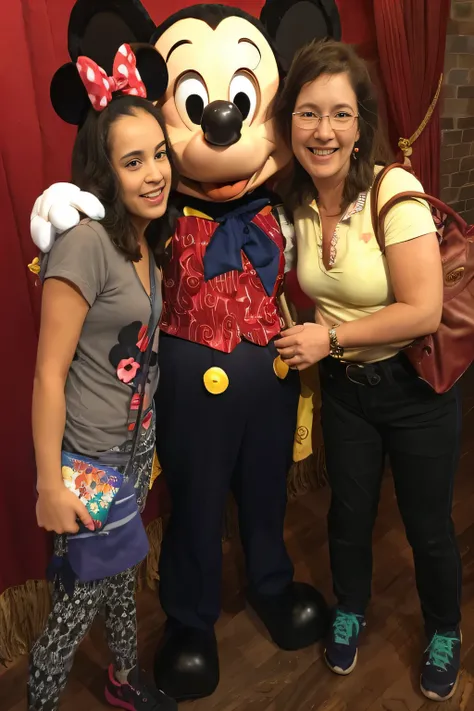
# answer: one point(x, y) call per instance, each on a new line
point(340, 121)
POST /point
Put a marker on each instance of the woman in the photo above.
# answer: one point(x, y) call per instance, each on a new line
point(368, 307)
point(100, 304)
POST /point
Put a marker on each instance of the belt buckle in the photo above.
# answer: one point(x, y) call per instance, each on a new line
point(356, 365)
point(372, 379)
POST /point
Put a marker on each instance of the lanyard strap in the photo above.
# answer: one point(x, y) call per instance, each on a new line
point(135, 415)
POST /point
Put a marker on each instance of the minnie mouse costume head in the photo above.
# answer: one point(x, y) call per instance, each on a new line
point(226, 416)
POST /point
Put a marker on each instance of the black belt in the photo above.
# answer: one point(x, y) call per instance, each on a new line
point(366, 374)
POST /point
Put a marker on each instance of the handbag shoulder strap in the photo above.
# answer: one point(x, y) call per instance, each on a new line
point(374, 201)
point(430, 199)
point(378, 218)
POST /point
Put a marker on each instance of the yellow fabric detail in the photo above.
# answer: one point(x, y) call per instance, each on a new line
point(280, 368)
point(155, 470)
point(302, 447)
point(307, 426)
point(191, 212)
point(35, 266)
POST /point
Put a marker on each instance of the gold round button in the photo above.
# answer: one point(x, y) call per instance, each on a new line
point(216, 380)
point(280, 368)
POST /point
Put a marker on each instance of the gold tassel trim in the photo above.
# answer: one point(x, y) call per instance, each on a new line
point(148, 570)
point(23, 613)
point(307, 475)
point(405, 144)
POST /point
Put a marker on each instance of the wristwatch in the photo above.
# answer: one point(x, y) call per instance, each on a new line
point(335, 350)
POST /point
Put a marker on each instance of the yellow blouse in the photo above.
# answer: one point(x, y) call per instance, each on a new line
point(358, 282)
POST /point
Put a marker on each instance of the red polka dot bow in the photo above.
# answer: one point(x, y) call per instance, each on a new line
point(125, 78)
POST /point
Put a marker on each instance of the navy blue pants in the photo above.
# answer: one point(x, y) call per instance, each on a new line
point(208, 445)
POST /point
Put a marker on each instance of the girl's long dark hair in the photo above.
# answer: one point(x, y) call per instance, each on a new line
point(92, 171)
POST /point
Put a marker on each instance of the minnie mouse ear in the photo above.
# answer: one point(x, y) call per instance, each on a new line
point(153, 70)
point(68, 95)
point(292, 24)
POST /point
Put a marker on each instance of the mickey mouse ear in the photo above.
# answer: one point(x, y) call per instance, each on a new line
point(292, 24)
point(68, 95)
point(97, 28)
point(152, 68)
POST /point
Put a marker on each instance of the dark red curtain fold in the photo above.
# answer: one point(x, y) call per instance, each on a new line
point(358, 28)
point(411, 37)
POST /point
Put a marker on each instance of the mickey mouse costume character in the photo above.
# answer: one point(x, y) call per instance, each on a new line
point(226, 411)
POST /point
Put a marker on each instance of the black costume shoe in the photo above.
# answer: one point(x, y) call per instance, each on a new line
point(296, 618)
point(187, 664)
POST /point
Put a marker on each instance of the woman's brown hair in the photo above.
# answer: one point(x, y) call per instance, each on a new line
point(311, 62)
point(92, 171)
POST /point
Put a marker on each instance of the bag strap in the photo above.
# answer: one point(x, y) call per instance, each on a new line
point(435, 202)
point(152, 325)
point(378, 218)
point(374, 201)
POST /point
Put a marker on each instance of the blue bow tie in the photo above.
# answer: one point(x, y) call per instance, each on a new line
point(237, 233)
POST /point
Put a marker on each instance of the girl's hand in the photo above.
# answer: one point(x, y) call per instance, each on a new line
point(302, 346)
point(58, 509)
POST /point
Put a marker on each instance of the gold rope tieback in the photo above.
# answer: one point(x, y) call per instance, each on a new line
point(405, 144)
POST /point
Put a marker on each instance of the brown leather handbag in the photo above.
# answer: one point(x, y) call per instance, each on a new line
point(441, 358)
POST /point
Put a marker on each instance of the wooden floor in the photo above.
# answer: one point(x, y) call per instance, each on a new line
point(256, 676)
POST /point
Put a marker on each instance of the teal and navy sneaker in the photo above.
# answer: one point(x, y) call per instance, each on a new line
point(441, 662)
point(343, 640)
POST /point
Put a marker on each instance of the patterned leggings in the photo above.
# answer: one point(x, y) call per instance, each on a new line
point(69, 621)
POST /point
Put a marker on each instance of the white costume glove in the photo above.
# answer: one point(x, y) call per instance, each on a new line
point(288, 232)
point(57, 210)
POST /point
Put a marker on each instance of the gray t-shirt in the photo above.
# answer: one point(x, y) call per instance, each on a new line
point(112, 342)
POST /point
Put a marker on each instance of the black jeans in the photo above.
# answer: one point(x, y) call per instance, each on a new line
point(385, 408)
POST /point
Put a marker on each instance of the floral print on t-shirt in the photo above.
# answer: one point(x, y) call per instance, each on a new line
point(126, 356)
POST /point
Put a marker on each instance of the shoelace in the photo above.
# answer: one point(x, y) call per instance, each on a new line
point(441, 649)
point(344, 625)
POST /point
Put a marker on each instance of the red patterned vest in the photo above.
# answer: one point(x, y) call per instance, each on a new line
point(218, 313)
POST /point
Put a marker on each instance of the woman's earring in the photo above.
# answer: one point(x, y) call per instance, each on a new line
point(355, 152)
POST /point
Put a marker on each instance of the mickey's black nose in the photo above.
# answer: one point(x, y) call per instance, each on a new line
point(221, 123)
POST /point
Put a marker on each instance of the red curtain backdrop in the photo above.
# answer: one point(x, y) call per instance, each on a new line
point(358, 28)
point(411, 37)
point(35, 149)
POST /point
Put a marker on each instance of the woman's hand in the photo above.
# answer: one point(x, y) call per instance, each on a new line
point(302, 346)
point(58, 509)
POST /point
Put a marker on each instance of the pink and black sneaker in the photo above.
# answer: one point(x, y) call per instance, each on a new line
point(135, 695)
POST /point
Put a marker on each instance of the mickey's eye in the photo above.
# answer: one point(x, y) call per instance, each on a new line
point(191, 97)
point(243, 94)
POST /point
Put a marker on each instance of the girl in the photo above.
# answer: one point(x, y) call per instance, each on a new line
point(368, 307)
point(101, 300)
